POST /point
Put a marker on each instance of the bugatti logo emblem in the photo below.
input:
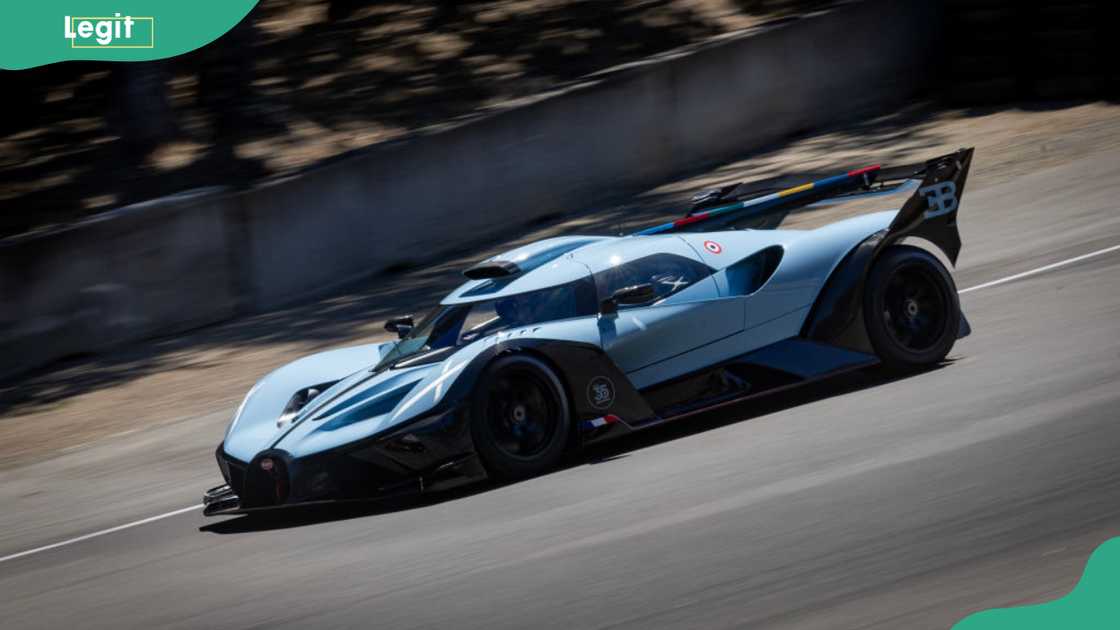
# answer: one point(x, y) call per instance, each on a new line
point(942, 198)
point(600, 392)
point(713, 247)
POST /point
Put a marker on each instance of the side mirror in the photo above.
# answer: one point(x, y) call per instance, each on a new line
point(401, 325)
point(636, 294)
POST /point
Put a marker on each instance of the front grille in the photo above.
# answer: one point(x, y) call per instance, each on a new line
point(236, 478)
point(263, 487)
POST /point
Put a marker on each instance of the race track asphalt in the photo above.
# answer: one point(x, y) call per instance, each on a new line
point(862, 502)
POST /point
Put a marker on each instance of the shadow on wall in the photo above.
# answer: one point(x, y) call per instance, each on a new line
point(299, 82)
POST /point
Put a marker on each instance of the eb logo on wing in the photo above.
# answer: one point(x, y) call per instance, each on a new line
point(942, 198)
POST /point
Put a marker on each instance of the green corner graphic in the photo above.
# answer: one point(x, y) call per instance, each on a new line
point(49, 31)
point(1091, 605)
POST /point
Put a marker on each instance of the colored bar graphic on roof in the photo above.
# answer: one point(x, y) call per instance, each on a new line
point(767, 202)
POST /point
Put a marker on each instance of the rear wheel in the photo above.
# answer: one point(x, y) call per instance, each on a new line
point(520, 419)
point(911, 308)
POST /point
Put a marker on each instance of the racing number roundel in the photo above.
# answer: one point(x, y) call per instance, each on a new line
point(600, 392)
point(713, 247)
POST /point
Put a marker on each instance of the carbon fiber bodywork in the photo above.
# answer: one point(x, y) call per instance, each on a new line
point(434, 451)
point(835, 316)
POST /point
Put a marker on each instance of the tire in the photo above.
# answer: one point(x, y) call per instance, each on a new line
point(520, 419)
point(911, 308)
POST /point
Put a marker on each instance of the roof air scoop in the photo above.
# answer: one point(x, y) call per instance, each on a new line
point(492, 269)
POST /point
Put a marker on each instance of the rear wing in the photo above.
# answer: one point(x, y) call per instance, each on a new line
point(930, 212)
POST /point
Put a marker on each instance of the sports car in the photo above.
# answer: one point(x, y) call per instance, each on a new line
point(573, 340)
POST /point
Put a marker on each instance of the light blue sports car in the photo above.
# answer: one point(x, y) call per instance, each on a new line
point(578, 339)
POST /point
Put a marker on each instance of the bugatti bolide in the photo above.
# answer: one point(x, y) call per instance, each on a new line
point(573, 340)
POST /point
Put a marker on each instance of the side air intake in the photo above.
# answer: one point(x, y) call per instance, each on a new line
point(749, 274)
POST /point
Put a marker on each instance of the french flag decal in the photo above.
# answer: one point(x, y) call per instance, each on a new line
point(600, 422)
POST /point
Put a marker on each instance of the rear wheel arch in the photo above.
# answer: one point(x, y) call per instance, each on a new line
point(836, 316)
point(901, 270)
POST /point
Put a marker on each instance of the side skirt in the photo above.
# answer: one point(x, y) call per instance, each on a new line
point(784, 365)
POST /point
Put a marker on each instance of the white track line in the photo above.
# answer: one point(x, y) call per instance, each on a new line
point(100, 533)
point(1032, 272)
point(196, 507)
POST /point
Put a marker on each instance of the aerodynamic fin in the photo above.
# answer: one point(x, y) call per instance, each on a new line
point(931, 212)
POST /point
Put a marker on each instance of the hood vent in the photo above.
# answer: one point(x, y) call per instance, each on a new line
point(492, 269)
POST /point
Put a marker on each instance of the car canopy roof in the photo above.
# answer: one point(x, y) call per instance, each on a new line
point(534, 266)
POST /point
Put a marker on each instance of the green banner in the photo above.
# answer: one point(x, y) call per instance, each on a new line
point(1091, 605)
point(47, 31)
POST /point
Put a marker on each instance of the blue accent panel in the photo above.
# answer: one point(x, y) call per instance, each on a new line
point(807, 358)
point(655, 229)
point(829, 181)
point(377, 405)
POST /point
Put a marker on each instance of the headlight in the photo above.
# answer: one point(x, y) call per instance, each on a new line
point(241, 407)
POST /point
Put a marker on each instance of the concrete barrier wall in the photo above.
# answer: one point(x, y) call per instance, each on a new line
point(151, 269)
point(629, 129)
point(175, 264)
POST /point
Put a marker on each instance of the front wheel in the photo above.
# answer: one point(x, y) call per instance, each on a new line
point(911, 308)
point(520, 419)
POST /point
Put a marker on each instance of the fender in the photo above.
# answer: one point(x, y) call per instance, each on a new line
point(266, 401)
point(597, 389)
point(834, 316)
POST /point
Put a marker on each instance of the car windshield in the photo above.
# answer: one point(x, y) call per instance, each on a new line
point(452, 326)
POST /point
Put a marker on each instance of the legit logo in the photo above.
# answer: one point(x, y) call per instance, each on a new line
point(111, 32)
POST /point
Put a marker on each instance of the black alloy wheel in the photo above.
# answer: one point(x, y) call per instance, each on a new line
point(911, 308)
point(520, 422)
point(914, 307)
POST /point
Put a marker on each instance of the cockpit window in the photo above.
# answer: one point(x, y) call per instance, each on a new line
point(455, 325)
point(666, 273)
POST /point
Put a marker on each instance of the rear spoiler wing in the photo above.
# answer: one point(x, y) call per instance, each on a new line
point(930, 213)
